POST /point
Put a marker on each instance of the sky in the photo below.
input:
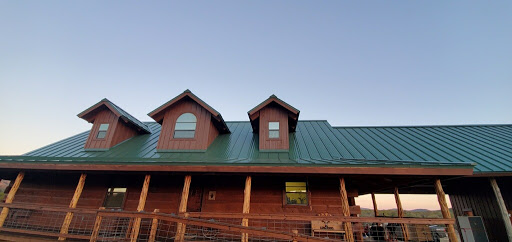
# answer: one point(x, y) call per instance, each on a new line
point(354, 63)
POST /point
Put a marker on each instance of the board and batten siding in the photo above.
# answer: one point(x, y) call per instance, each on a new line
point(476, 194)
point(273, 113)
point(203, 134)
point(118, 131)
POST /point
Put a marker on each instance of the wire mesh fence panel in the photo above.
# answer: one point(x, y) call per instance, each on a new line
point(34, 220)
point(114, 228)
point(121, 226)
point(402, 232)
point(82, 224)
point(166, 231)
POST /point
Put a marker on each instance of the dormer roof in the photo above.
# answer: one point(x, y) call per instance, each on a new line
point(157, 114)
point(89, 114)
point(293, 113)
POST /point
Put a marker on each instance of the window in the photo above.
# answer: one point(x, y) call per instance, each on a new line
point(296, 193)
point(273, 130)
point(115, 197)
point(185, 126)
point(102, 131)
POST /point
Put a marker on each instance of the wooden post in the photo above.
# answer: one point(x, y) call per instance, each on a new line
point(97, 225)
point(375, 210)
point(345, 208)
point(74, 201)
point(400, 211)
point(142, 202)
point(154, 227)
point(503, 207)
point(10, 196)
point(441, 198)
point(247, 206)
point(180, 227)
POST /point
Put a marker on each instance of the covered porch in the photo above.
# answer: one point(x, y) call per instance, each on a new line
point(212, 206)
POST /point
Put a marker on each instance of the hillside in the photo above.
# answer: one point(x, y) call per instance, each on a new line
point(416, 213)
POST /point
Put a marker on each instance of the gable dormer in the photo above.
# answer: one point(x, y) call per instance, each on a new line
point(273, 120)
point(111, 125)
point(188, 124)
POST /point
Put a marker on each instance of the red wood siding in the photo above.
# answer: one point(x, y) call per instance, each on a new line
point(273, 113)
point(122, 132)
point(324, 196)
point(117, 131)
point(56, 189)
point(203, 135)
point(213, 133)
point(47, 188)
point(102, 117)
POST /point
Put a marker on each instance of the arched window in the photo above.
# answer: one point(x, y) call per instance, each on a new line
point(185, 126)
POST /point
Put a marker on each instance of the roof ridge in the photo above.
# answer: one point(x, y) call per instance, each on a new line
point(118, 110)
point(423, 126)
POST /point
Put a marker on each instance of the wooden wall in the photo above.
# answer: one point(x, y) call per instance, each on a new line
point(52, 189)
point(273, 113)
point(118, 131)
point(203, 135)
point(477, 195)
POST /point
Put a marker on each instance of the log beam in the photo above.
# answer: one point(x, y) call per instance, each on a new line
point(74, 201)
point(247, 206)
point(181, 227)
point(441, 198)
point(375, 209)
point(349, 236)
point(154, 227)
point(400, 211)
point(10, 196)
point(97, 225)
point(503, 207)
point(142, 202)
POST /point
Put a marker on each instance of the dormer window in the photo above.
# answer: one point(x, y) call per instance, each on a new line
point(185, 126)
point(273, 130)
point(102, 132)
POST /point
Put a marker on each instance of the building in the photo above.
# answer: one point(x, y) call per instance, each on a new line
point(191, 175)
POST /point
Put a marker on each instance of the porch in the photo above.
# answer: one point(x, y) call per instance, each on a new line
point(211, 207)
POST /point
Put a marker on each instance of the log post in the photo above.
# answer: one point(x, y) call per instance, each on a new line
point(10, 196)
point(142, 202)
point(375, 210)
point(181, 227)
point(345, 208)
point(400, 211)
point(247, 206)
point(97, 225)
point(74, 201)
point(154, 227)
point(503, 207)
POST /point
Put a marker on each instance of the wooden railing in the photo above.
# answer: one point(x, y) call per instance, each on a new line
point(102, 225)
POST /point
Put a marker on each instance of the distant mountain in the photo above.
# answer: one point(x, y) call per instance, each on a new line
point(422, 210)
point(415, 213)
point(394, 209)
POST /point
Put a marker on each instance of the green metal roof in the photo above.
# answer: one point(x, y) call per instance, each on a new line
point(315, 143)
point(488, 146)
point(123, 114)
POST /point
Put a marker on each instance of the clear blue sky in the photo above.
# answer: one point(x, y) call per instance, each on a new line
point(352, 63)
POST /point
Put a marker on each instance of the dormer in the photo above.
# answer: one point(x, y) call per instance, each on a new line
point(273, 120)
point(188, 124)
point(111, 125)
